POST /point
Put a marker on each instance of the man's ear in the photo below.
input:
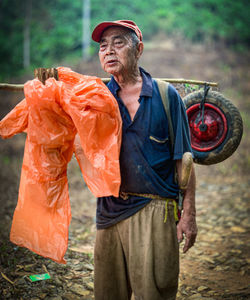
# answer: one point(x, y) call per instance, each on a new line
point(140, 47)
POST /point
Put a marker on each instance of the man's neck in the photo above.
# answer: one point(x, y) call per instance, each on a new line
point(130, 78)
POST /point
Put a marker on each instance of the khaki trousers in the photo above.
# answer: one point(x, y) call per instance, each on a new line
point(139, 255)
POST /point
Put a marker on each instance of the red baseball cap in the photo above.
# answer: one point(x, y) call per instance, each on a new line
point(97, 32)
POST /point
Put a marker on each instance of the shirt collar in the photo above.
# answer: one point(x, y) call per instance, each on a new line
point(147, 85)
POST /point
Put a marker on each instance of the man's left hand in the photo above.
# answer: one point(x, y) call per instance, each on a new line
point(188, 227)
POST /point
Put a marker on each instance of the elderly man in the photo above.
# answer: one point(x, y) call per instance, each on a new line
point(136, 252)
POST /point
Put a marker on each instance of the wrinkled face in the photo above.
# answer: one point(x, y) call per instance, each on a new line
point(117, 54)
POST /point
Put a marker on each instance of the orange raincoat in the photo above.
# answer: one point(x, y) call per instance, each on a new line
point(52, 114)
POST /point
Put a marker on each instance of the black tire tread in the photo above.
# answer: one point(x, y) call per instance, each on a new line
point(235, 126)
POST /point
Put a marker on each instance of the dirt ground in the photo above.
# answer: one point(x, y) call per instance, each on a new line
point(217, 267)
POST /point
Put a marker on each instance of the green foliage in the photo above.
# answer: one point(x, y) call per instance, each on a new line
point(56, 26)
point(6, 160)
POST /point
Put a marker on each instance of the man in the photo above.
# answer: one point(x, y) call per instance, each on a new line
point(136, 251)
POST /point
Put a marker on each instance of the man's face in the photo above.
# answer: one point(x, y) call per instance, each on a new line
point(117, 54)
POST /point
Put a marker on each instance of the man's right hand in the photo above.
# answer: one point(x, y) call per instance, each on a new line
point(44, 73)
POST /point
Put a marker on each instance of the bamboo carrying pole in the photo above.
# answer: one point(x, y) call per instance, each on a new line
point(44, 73)
point(19, 87)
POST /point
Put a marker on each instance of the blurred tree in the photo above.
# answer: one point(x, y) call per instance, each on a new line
point(26, 33)
point(10, 36)
point(54, 31)
point(86, 30)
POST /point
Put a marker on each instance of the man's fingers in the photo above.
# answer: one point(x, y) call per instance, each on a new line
point(179, 234)
point(44, 73)
point(187, 245)
point(189, 242)
point(189, 230)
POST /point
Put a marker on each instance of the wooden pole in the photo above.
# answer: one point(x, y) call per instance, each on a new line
point(19, 87)
point(11, 87)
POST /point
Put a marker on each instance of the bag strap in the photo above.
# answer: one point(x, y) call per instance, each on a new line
point(163, 88)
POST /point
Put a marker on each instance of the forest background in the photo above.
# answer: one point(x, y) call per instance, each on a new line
point(48, 33)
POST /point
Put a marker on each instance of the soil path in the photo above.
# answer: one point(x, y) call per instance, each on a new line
point(215, 268)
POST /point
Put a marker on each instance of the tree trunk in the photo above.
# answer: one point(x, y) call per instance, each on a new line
point(26, 33)
point(86, 30)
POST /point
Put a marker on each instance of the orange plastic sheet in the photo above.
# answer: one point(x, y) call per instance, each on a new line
point(79, 114)
point(96, 115)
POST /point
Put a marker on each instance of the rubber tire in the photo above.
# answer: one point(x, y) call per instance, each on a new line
point(234, 123)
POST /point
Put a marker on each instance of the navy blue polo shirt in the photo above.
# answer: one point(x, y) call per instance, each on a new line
point(146, 162)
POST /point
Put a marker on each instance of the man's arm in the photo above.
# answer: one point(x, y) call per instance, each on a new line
point(187, 224)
